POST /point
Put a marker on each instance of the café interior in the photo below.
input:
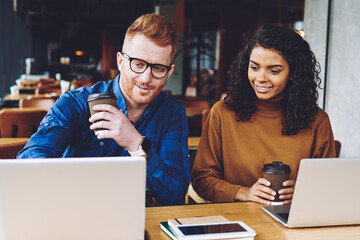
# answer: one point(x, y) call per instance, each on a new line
point(49, 47)
point(56, 46)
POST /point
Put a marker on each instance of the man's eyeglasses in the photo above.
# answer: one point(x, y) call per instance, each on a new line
point(139, 66)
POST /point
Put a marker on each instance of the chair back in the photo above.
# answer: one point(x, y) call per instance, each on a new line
point(82, 82)
point(20, 123)
point(44, 103)
point(192, 197)
point(48, 85)
point(56, 91)
point(337, 147)
point(194, 108)
point(196, 103)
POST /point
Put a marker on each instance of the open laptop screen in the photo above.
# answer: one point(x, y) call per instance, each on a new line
point(326, 194)
point(72, 198)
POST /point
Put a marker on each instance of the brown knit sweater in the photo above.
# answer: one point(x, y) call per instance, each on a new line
point(231, 154)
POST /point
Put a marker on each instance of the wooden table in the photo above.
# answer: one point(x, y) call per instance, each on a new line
point(5, 142)
point(248, 212)
point(9, 147)
point(17, 96)
point(193, 143)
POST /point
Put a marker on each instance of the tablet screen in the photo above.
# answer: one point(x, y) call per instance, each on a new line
point(211, 229)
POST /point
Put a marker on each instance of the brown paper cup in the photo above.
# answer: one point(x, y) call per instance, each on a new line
point(101, 98)
point(276, 173)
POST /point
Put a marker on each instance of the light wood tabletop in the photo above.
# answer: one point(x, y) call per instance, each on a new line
point(248, 212)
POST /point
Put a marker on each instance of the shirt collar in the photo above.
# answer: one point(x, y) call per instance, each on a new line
point(120, 97)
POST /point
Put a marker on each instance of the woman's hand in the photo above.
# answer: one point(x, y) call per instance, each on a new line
point(259, 192)
point(286, 194)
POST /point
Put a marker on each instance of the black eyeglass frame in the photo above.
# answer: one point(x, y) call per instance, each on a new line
point(147, 65)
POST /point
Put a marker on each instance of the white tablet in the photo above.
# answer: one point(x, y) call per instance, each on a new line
point(219, 230)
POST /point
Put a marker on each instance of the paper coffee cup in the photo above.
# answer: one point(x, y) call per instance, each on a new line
point(276, 173)
point(101, 98)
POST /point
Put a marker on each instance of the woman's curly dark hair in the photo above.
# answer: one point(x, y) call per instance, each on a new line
point(300, 94)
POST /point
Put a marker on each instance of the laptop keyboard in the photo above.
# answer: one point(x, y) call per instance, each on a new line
point(284, 216)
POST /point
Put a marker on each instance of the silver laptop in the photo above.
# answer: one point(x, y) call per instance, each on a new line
point(327, 193)
point(72, 198)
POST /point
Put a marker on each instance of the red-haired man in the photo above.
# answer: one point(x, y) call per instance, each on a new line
point(147, 122)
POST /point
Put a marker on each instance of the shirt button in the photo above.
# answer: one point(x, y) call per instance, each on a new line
point(101, 143)
point(46, 124)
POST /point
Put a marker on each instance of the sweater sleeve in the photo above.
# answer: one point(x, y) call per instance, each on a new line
point(324, 143)
point(207, 173)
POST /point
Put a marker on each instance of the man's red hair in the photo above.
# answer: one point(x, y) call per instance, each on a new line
point(157, 29)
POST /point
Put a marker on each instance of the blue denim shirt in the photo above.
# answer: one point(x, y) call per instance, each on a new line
point(65, 132)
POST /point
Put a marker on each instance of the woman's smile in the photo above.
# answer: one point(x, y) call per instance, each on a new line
point(268, 73)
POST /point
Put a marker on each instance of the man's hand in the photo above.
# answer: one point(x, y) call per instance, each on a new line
point(119, 126)
point(259, 192)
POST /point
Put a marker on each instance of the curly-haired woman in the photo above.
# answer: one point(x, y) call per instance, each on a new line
point(270, 114)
